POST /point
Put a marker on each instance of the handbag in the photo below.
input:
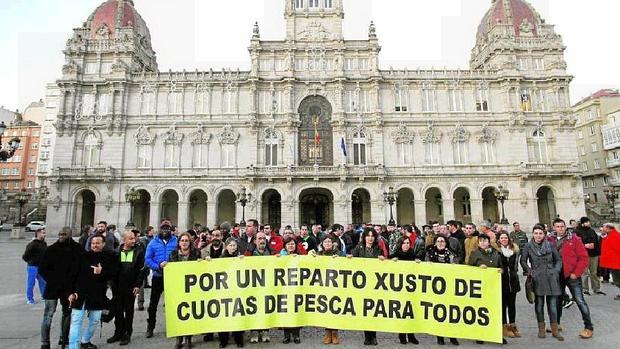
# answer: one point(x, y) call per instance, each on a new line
point(529, 290)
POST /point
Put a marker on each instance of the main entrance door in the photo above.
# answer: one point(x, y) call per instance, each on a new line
point(316, 207)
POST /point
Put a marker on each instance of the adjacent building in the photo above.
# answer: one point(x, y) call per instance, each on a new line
point(594, 142)
point(317, 130)
point(19, 172)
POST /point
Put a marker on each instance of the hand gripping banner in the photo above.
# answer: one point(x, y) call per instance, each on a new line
point(238, 294)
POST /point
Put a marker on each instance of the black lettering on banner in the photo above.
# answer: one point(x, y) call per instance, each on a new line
point(251, 305)
point(190, 280)
point(460, 287)
point(238, 309)
point(439, 285)
point(213, 309)
point(472, 290)
point(425, 279)
point(483, 317)
point(394, 309)
point(381, 281)
point(180, 315)
point(304, 274)
point(349, 309)
point(270, 304)
point(316, 278)
point(427, 306)
point(455, 314)
point(469, 315)
point(359, 280)
point(292, 277)
point(440, 313)
point(476, 289)
point(322, 304)
point(368, 306)
point(198, 312)
point(331, 277)
point(411, 284)
point(345, 277)
point(251, 278)
point(298, 301)
point(278, 276)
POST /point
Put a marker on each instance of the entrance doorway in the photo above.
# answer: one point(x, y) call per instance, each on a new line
point(316, 207)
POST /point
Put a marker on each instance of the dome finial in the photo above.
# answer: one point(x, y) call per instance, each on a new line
point(256, 31)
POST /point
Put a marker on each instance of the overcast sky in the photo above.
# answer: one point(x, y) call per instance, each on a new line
point(203, 34)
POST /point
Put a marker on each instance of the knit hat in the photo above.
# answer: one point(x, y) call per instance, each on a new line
point(584, 220)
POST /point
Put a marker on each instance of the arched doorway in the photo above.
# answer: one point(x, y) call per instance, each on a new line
point(170, 206)
point(405, 207)
point(360, 207)
point(462, 205)
point(434, 205)
point(226, 206)
point(490, 208)
point(198, 208)
point(315, 132)
point(546, 205)
point(85, 208)
point(142, 210)
point(316, 206)
point(271, 208)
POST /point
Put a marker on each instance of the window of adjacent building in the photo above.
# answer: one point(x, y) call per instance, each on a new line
point(45, 155)
point(482, 99)
point(584, 166)
point(456, 100)
point(526, 100)
point(359, 148)
point(582, 150)
point(6, 185)
point(43, 168)
point(595, 197)
point(48, 129)
point(597, 164)
point(21, 146)
point(401, 99)
point(594, 147)
point(29, 185)
point(592, 130)
point(592, 184)
point(585, 184)
point(15, 171)
point(428, 100)
point(605, 181)
point(540, 147)
point(33, 158)
point(614, 155)
point(580, 134)
point(16, 185)
point(35, 146)
point(17, 158)
point(5, 171)
point(271, 148)
point(35, 133)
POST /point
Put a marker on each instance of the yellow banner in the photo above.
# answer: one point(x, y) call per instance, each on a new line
point(238, 294)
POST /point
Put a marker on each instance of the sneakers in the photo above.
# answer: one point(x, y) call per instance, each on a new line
point(568, 304)
point(601, 293)
point(265, 338)
point(31, 302)
point(254, 337)
point(88, 346)
point(586, 334)
point(587, 293)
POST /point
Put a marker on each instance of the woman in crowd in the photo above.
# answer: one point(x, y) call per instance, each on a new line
point(509, 254)
point(404, 251)
point(543, 263)
point(291, 248)
point(185, 252)
point(368, 248)
point(485, 256)
point(231, 250)
point(439, 253)
point(329, 248)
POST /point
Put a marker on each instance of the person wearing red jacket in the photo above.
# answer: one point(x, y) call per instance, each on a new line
point(610, 253)
point(275, 242)
point(574, 263)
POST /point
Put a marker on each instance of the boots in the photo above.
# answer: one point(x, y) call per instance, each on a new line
point(335, 339)
point(402, 337)
point(556, 332)
point(188, 342)
point(507, 331)
point(515, 330)
point(328, 337)
point(541, 330)
point(179, 344)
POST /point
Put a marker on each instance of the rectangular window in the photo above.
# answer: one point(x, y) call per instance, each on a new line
point(459, 153)
point(91, 68)
point(228, 160)
point(592, 130)
point(523, 63)
point(29, 186)
point(580, 134)
point(16, 185)
point(584, 166)
point(17, 158)
point(594, 147)
point(43, 168)
point(605, 181)
point(482, 100)
point(359, 154)
point(352, 103)
point(328, 3)
point(15, 172)
point(351, 64)
point(45, 155)
point(106, 68)
point(542, 101)
point(34, 146)
point(488, 156)
point(299, 4)
point(271, 154)
point(539, 64)
point(595, 197)
point(313, 4)
point(428, 100)
point(583, 150)
point(403, 153)
point(365, 101)
point(401, 100)
point(597, 164)
point(456, 100)
point(33, 158)
point(144, 156)
point(35, 133)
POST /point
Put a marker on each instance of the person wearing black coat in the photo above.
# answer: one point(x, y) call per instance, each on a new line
point(592, 243)
point(32, 256)
point(125, 287)
point(96, 268)
point(59, 268)
point(509, 255)
point(231, 250)
point(404, 252)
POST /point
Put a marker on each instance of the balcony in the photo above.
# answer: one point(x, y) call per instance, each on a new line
point(613, 163)
point(611, 137)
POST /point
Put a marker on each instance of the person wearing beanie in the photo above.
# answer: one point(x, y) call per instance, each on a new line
point(593, 245)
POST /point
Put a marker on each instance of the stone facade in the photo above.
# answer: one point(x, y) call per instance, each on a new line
point(189, 140)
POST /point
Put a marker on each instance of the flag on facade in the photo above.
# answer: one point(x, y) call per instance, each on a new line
point(343, 146)
point(317, 137)
point(526, 102)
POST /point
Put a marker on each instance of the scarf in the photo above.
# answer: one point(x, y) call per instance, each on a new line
point(507, 252)
point(542, 248)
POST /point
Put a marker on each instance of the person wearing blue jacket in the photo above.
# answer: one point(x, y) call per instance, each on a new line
point(156, 259)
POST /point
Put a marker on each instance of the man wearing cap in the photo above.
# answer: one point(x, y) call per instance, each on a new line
point(156, 259)
point(610, 256)
point(32, 256)
point(593, 245)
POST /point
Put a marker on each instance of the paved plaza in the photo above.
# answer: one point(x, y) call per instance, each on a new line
point(21, 322)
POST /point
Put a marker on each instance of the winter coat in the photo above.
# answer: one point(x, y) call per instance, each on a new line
point(471, 245)
point(519, 238)
point(510, 271)
point(435, 256)
point(589, 236)
point(544, 263)
point(157, 252)
point(574, 256)
point(246, 246)
point(275, 243)
point(404, 256)
point(34, 252)
point(111, 242)
point(194, 255)
point(457, 249)
point(210, 252)
point(490, 258)
point(254, 252)
point(91, 288)
point(310, 243)
point(59, 267)
point(362, 252)
point(610, 251)
point(129, 274)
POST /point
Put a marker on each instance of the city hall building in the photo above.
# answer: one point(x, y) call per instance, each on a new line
point(316, 131)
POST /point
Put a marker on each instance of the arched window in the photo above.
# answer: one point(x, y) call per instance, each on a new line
point(271, 148)
point(359, 148)
point(540, 147)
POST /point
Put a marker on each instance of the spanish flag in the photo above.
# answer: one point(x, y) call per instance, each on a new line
point(317, 137)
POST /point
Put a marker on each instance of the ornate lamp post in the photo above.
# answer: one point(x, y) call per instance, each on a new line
point(243, 197)
point(390, 198)
point(12, 146)
point(612, 196)
point(132, 196)
point(501, 194)
point(22, 198)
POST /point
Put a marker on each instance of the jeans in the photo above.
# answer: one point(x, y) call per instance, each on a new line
point(157, 288)
point(77, 317)
point(32, 273)
point(48, 315)
point(577, 293)
point(552, 310)
point(591, 273)
point(509, 305)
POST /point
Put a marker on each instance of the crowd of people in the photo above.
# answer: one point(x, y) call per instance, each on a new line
point(77, 272)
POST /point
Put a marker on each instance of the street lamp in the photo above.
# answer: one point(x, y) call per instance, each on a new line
point(612, 197)
point(501, 194)
point(12, 146)
point(132, 196)
point(390, 198)
point(22, 198)
point(243, 197)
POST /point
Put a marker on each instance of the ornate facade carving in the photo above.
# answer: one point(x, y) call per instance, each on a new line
point(431, 134)
point(143, 136)
point(172, 136)
point(459, 134)
point(228, 135)
point(487, 135)
point(403, 135)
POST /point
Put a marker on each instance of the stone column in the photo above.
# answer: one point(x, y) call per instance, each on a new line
point(377, 214)
point(477, 214)
point(420, 213)
point(341, 208)
point(448, 209)
point(154, 214)
point(183, 215)
point(211, 212)
point(288, 214)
